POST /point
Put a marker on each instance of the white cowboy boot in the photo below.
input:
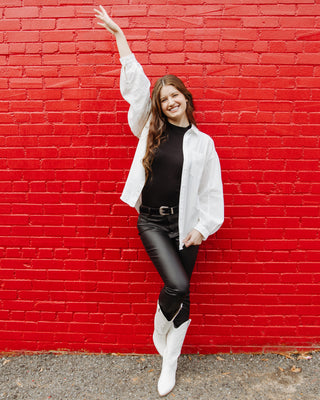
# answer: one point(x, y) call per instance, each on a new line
point(175, 339)
point(161, 329)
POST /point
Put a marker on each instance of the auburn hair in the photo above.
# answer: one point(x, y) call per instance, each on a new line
point(158, 121)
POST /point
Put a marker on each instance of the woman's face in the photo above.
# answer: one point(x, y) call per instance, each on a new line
point(174, 105)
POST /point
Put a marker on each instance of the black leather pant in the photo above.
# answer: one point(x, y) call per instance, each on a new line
point(160, 237)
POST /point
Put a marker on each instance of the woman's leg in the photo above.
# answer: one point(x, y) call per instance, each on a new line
point(163, 254)
point(174, 266)
point(177, 332)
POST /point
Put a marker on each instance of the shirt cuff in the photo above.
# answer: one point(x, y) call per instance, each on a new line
point(127, 59)
point(204, 232)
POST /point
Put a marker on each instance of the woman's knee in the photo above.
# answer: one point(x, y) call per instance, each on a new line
point(178, 290)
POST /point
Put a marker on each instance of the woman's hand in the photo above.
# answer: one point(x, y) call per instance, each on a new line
point(107, 22)
point(112, 27)
point(194, 238)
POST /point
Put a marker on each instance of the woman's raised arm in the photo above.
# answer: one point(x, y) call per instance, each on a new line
point(134, 84)
point(112, 27)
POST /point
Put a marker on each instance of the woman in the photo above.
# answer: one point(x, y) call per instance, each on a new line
point(175, 184)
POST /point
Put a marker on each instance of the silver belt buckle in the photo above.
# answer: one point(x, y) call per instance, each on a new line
point(164, 210)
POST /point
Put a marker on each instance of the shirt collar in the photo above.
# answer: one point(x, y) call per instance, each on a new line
point(194, 129)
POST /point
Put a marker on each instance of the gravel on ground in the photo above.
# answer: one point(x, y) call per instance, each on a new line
point(69, 376)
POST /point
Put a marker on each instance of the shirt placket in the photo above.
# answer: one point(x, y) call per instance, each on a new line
point(184, 183)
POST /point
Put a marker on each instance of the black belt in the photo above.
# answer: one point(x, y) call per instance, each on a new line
point(163, 210)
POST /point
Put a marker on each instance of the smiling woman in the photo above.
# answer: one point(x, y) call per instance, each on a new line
point(175, 184)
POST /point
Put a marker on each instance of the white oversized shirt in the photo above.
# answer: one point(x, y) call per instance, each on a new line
point(201, 195)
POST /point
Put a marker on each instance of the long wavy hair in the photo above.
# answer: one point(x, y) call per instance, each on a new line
point(158, 122)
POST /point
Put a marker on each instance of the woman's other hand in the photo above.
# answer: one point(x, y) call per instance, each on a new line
point(194, 238)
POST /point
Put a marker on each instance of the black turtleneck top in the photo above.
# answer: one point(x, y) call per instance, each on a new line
point(162, 187)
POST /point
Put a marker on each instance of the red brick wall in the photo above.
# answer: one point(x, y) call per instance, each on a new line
point(73, 272)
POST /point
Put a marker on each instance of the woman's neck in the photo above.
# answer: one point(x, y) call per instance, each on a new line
point(183, 122)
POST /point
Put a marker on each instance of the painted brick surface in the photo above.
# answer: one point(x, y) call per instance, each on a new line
point(73, 272)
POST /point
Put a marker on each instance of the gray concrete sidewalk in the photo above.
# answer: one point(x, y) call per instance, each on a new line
point(126, 377)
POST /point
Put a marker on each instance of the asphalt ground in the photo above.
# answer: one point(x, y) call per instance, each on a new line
point(70, 376)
